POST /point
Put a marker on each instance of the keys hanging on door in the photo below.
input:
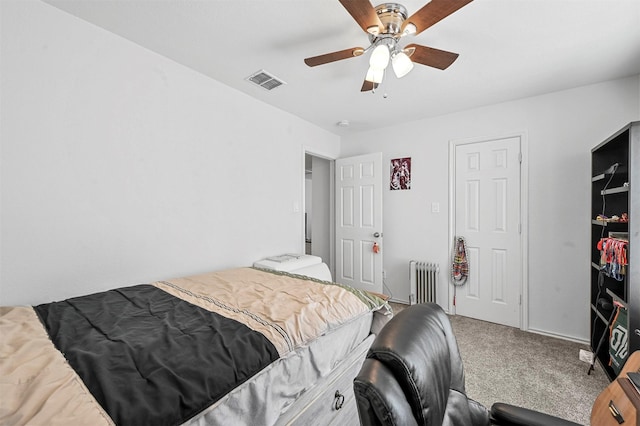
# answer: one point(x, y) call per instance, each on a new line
point(376, 246)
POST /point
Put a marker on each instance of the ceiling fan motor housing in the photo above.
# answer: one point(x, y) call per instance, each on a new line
point(392, 15)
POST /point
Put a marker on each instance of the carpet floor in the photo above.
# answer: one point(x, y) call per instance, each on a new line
point(543, 373)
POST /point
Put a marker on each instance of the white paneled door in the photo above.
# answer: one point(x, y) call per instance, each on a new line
point(359, 221)
point(487, 215)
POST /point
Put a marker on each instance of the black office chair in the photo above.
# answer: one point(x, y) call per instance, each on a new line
point(413, 375)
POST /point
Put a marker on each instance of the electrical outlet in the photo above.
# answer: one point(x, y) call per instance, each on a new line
point(586, 356)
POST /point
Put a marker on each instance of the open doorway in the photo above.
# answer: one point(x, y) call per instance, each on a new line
point(319, 208)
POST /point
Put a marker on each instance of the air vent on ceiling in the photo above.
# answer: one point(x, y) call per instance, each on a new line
point(265, 80)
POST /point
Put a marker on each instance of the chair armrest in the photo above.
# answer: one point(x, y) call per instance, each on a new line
point(510, 415)
point(379, 397)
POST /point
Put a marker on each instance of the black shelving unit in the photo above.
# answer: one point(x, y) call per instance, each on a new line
point(615, 171)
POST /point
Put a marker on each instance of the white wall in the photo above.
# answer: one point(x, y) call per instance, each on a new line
point(322, 209)
point(119, 166)
point(308, 206)
point(561, 128)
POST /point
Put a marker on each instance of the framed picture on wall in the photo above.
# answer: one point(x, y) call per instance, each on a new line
point(400, 173)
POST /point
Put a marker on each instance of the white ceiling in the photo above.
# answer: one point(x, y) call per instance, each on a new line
point(509, 49)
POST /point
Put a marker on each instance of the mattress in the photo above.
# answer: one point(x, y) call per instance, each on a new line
point(288, 262)
point(304, 328)
point(319, 271)
point(298, 264)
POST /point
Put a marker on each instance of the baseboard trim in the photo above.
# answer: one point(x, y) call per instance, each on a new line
point(531, 330)
point(559, 336)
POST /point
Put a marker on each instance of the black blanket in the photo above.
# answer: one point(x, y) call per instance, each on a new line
point(150, 358)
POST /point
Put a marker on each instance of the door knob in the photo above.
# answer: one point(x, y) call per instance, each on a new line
point(376, 235)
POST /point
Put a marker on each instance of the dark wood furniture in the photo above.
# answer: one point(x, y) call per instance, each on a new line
point(615, 189)
point(620, 401)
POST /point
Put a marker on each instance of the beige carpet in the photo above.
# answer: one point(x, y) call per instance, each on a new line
point(505, 364)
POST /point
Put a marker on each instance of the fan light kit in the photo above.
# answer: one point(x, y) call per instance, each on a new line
point(386, 25)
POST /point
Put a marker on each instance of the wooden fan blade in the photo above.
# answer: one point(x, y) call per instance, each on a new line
point(433, 12)
point(431, 57)
point(364, 14)
point(368, 86)
point(334, 56)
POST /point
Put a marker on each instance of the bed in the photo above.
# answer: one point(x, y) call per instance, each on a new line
point(240, 346)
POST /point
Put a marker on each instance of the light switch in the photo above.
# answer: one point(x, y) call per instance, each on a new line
point(435, 207)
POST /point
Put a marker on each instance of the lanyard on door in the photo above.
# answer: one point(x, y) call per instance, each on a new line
point(460, 265)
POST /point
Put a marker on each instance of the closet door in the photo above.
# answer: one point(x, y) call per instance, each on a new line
point(487, 215)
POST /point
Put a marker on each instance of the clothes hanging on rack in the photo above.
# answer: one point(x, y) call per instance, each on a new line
point(613, 259)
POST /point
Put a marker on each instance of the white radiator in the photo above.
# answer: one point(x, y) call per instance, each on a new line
point(424, 281)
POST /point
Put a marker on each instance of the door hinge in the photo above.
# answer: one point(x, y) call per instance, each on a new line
point(520, 228)
point(520, 156)
point(520, 301)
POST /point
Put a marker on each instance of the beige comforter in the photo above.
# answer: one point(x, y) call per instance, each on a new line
point(37, 385)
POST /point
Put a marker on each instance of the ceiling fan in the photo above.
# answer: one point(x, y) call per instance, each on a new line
point(386, 24)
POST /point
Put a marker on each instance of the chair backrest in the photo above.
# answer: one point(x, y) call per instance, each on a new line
point(413, 374)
